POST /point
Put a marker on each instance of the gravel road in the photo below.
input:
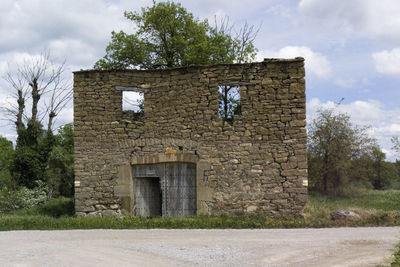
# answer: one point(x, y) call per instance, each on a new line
point(270, 247)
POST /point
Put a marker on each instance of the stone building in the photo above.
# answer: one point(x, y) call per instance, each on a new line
point(178, 157)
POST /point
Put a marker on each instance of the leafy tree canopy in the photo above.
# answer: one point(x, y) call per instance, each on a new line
point(168, 36)
point(334, 143)
point(60, 172)
point(6, 156)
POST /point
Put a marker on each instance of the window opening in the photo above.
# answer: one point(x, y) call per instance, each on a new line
point(229, 102)
point(133, 101)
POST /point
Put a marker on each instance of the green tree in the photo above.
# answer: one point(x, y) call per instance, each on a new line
point(333, 143)
point(378, 175)
point(396, 143)
point(36, 78)
point(372, 170)
point(390, 175)
point(6, 156)
point(169, 36)
point(32, 152)
point(60, 171)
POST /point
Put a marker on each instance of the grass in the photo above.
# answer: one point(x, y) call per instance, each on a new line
point(375, 208)
point(54, 208)
point(396, 257)
point(37, 222)
point(388, 200)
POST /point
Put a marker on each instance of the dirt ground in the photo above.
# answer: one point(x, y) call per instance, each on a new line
point(270, 247)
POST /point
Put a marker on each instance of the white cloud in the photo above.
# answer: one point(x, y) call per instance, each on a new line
point(387, 62)
point(343, 14)
point(279, 10)
point(65, 116)
point(361, 112)
point(73, 50)
point(370, 18)
point(315, 63)
point(384, 123)
point(206, 9)
point(31, 25)
point(346, 83)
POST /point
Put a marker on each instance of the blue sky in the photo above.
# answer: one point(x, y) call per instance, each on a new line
point(351, 47)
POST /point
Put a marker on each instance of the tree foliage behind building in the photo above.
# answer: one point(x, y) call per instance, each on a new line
point(38, 96)
point(169, 36)
point(341, 155)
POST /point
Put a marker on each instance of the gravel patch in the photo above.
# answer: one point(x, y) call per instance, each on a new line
point(367, 246)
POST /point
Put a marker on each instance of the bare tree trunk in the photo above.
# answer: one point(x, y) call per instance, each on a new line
point(52, 115)
point(326, 174)
point(21, 106)
point(325, 182)
point(51, 190)
point(35, 99)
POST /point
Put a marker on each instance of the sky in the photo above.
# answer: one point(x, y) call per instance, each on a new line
point(351, 47)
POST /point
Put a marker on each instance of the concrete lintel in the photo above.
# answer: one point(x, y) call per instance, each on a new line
point(161, 158)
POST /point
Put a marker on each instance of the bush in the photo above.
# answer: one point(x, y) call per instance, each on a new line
point(22, 198)
point(57, 207)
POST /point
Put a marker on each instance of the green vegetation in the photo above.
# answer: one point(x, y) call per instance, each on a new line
point(58, 207)
point(375, 208)
point(169, 36)
point(27, 180)
point(22, 198)
point(388, 200)
point(40, 166)
point(381, 210)
point(6, 157)
point(342, 155)
point(60, 171)
point(396, 255)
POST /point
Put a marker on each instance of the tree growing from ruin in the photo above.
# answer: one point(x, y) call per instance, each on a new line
point(169, 36)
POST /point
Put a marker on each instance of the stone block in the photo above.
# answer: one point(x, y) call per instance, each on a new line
point(122, 190)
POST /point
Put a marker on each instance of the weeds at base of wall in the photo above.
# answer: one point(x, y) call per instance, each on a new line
point(380, 209)
point(38, 222)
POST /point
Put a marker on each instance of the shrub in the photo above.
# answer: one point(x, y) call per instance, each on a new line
point(57, 207)
point(22, 197)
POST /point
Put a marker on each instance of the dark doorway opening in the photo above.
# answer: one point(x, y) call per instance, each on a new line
point(148, 197)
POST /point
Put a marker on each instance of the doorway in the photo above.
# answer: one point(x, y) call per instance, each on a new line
point(164, 189)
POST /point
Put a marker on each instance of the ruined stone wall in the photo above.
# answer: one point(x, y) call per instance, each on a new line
point(256, 165)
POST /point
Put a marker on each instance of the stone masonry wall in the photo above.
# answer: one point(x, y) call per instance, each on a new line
point(256, 165)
